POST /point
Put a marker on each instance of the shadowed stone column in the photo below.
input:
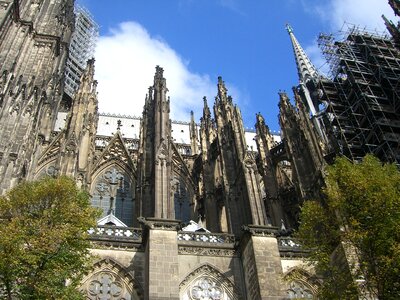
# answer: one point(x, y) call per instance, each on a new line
point(261, 263)
point(162, 278)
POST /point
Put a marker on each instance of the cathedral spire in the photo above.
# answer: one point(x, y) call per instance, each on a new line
point(306, 70)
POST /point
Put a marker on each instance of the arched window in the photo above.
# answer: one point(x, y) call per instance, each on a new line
point(182, 201)
point(299, 290)
point(109, 280)
point(206, 288)
point(206, 283)
point(113, 193)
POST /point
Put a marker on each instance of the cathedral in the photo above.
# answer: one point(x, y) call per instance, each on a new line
point(191, 210)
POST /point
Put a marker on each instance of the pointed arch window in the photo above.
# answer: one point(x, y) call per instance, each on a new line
point(113, 194)
point(109, 280)
point(299, 290)
point(206, 289)
point(206, 283)
point(182, 201)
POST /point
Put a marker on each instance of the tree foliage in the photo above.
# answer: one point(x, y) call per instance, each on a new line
point(43, 239)
point(360, 211)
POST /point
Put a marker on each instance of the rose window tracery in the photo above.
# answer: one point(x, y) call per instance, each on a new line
point(106, 287)
point(206, 289)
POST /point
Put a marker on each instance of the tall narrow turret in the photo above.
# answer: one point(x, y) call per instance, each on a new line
point(78, 149)
point(193, 134)
point(302, 147)
point(239, 178)
point(155, 199)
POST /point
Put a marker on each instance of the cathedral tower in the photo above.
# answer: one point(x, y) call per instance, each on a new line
point(33, 49)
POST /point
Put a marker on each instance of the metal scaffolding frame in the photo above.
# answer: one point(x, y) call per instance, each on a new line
point(82, 48)
point(363, 94)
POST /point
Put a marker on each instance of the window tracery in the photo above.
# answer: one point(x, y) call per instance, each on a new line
point(110, 281)
point(105, 287)
point(299, 290)
point(181, 200)
point(206, 283)
point(206, 289)
point(113, 193)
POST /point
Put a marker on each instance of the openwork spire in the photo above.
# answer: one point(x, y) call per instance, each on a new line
point(306, 70)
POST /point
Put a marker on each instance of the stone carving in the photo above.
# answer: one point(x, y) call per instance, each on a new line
point(206, 237)
point(109, 280)
point(298, 289)
point(52, 150)
point(51, 171)
point(260, 230)
point(288, 242)
point(105, 287)
point(114, 151)
point(160, 224)
point(206, 289)
point(301, 284)
point(116, 233)
point(206, 283)
point(206, 251)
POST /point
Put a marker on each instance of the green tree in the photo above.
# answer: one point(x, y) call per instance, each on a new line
point(43, 239)
point(360, 211)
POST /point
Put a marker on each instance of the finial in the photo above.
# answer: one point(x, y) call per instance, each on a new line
point(119, 125)
point(259, 117)
point(222, 89)
point(205, 100)
point(159, 72)
point(289, 28)
point(283, 227)
point(90, 61)
point(94, 86)
point(283, 97)
point(192, 116)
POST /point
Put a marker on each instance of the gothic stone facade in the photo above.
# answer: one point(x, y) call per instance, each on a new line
point(153, 178)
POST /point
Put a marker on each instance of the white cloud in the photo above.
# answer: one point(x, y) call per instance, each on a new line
point(232, 5)
point(337, 13)
point(315, 55)
point(359, 12)
point(125, 67)
point(363, 13)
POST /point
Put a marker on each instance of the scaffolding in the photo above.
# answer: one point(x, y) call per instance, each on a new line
point(362, 95)
point(82, 48)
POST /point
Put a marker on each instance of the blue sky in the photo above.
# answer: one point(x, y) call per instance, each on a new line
point(195, 41)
